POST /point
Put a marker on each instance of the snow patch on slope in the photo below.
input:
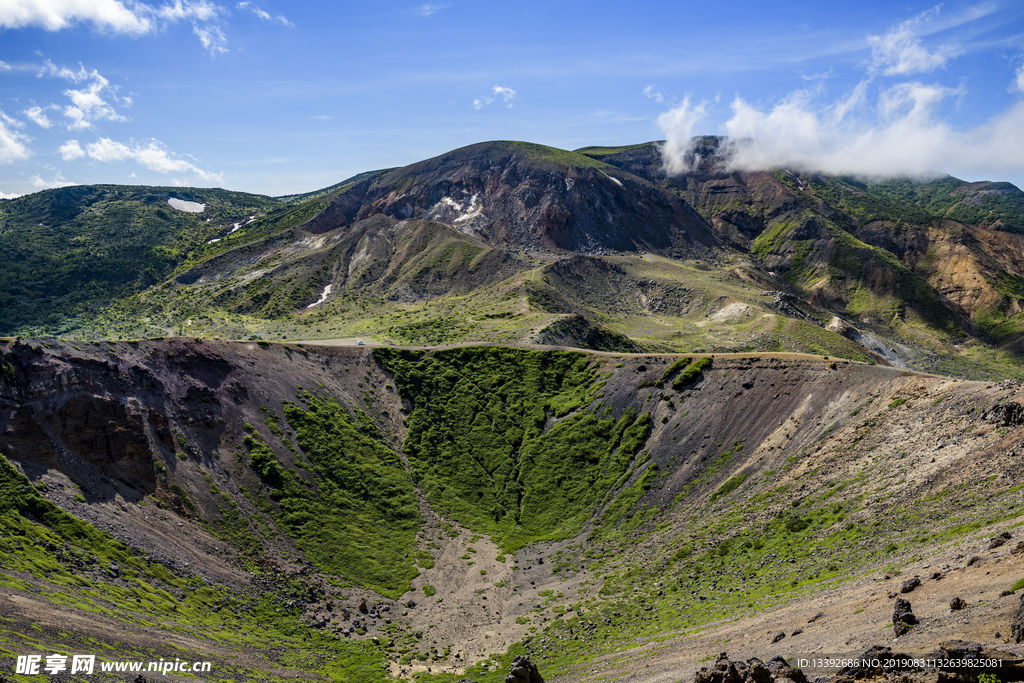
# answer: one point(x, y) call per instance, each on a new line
point(182, 205)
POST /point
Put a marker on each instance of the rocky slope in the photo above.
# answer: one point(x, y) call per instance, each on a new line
point(896, 254)
point(525, 195)
point(356, 513)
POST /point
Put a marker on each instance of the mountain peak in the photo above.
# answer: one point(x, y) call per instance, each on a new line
point(527, 195)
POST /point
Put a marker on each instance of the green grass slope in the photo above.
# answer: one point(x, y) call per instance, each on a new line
point(482, 447)
point(63, 250)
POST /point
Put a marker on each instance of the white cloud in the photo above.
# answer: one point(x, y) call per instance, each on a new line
point(54, 15)
point(51, 69)
point(679, 125)
point(898, 133)
point(13, 123)
point(877, 129)
point(13, 195)
point(901, 53)
point(71, 150)
point(40, 183)
point(13, 145)
point(262, 14)
point(211, 37)
point(114, 16)
point(180, 10)
point(429, 9)
point(652, 94)
point(38, 116)
point(88, 104)
point(507, 95)
point(152, 155)
point(4, 66)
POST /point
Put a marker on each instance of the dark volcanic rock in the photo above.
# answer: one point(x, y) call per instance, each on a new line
point(523, 671)
point(1006, 414)
point(902, 617)
point(957, 603)
point(751, 671)
point(109, 433)
point(910, 584)
point(999, 540)
point(781, 671)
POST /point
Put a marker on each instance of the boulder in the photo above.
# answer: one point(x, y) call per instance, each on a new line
point(902, 617)
point(523, 671)
point(780, 671)
point(969, 658)
point(724, 671)
point(910, 584)
point(957, 603)
point(999, 540)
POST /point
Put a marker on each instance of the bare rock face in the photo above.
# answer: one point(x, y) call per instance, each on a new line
point(109, 434)
point(903, 618)
point(23, 438)
point(523, 671)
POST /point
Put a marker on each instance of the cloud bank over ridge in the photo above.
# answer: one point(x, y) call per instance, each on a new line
point(882, 127)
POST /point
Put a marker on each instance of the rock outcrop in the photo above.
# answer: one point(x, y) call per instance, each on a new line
point(1006, 414)
point(903, 618)
point(523, 671)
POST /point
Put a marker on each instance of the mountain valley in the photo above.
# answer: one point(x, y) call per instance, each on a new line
point(514, 400)
point(274, 507)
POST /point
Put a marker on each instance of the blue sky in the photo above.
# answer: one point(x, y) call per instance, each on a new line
point(272, 97)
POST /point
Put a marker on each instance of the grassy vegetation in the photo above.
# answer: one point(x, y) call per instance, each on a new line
point(559, 157)
point(602, 152)
point(66, 248)
point(360, 518)
point(481, 449)
point(690, 374)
